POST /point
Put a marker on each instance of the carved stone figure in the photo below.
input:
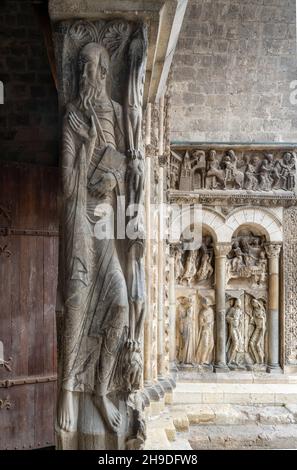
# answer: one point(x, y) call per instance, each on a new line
point(186, 333)
point(247, 260)
point(179, 267)
point(205, 269)
point(205, 342)
point(257, 339)
point(288, 171)
point(251, 180)
point(214, 174)
point(235, 346)
point(265, 180)
point(190, 266)
point(102, 301)
point(233, 176)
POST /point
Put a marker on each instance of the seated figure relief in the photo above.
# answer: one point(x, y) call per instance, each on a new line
point(227, 170)
point(247, 261)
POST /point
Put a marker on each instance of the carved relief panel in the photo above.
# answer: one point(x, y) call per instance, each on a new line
point(246, 320)
point(247, 264)
point(195, 319)
point(195, 267)
point(227, 169)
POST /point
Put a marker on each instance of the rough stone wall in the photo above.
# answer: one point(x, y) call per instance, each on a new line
point(29, 115)
point(233, 66)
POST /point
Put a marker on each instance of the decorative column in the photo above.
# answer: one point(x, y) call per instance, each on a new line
point(273, 252)
point(221, 251)
point(160, 342)
point(147, 373)
point(172, 311)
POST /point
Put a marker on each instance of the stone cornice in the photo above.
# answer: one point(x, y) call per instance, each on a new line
point(233, 198)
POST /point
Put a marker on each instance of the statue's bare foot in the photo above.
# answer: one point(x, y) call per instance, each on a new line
point(108, 411)
point(66, 411)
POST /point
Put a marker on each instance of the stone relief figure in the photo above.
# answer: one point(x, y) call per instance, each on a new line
point(205, 341)
point(102, 303)
point(179, 267)
point(234, 319)
point(247, 261)
point(288, 171)
point(251, 180)
point(190, 267)
point(246, 328)
point(205, 269)
point(214, 175)
point(232, 175)
point(256, 342)
point(265, 180)
point(186, 332)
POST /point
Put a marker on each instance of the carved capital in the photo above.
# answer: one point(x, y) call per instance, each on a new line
point(222, 249)
point(273, 250)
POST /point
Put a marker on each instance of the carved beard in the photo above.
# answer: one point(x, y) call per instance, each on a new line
point(89, 94)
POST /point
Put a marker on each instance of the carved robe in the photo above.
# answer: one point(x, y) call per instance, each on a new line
point(93, 286)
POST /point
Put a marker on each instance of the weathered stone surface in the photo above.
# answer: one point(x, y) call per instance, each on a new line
point(244, 437)
point(249, 48)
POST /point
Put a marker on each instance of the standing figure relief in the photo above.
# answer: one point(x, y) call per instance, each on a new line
point(101, 278)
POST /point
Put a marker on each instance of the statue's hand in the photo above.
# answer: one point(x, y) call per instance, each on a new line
point(80, 128)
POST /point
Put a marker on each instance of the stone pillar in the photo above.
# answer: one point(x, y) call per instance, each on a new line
point(273, 251)
point(161, 349)
point(221, 251)
point(147, 373)
point(172, 312)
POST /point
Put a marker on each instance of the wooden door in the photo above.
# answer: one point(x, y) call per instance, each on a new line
point(28, 277)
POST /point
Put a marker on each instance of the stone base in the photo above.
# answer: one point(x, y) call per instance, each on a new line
point(221, 368)
point(274, 370)
point(91, 431)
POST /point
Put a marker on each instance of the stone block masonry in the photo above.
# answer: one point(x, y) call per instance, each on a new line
point(233, 67)
point(29, 115)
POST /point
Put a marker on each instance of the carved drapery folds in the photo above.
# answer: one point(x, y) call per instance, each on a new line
point(228, 169)
point(101, 285)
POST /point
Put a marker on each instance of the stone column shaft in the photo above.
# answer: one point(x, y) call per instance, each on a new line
point(147, 373)
point(273, 251)
point(161, 362)
point(172, 312)
point(221, 251)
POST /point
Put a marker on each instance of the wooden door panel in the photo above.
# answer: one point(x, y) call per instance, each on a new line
point(28, 279)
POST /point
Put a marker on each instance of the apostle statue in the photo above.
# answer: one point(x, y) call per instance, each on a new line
point(100, 300)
